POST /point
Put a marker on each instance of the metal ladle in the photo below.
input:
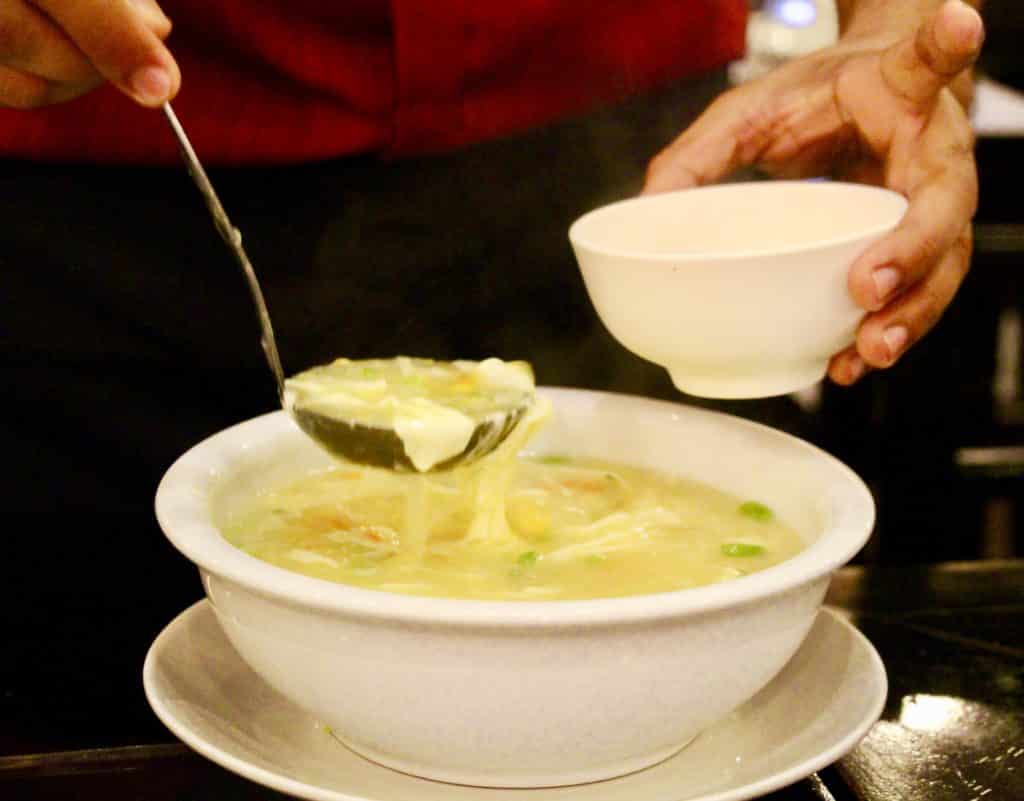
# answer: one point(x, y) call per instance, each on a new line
point(354, 442)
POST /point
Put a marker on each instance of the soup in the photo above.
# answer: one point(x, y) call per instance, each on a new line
point(542, 528)
point(436, 410)
point(505, 527)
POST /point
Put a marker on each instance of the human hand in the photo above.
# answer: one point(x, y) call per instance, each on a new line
point(55, 50)
point(874, 109)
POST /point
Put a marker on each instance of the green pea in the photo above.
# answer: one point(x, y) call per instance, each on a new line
point(741, 549)
point(756, 511)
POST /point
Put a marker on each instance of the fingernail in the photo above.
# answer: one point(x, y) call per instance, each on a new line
point(895, 339)
point(886, 279)
point(970, 25)
point(151, 84)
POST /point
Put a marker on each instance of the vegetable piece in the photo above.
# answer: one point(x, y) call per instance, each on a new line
point(756, 511)
point(527, 559)
point(529, 518)
point(742, 549)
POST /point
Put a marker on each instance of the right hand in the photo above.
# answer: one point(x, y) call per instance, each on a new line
point(875, 108)
point(52, 51)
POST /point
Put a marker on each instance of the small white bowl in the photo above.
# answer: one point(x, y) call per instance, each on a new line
point(739, 290)
point(526, 694)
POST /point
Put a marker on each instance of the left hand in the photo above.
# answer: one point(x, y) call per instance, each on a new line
point(873, 110)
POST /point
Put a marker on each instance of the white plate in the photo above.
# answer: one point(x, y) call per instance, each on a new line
point(815, 711)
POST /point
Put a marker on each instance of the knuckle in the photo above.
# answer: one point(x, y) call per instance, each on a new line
point(961, 147)
point(925, 251)
point(928, 313)
point(934, 57)
point(956, 156)
point(966, 141)
point(848, 77)
point(676, 165)
point(756, 127)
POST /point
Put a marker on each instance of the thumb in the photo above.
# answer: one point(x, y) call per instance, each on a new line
point(917, 68)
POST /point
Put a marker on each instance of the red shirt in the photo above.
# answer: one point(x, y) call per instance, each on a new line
point(267, 81)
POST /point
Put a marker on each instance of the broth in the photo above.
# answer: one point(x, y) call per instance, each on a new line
point(545, 528)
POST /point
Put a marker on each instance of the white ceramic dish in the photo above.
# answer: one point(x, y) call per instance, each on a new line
point(815, 711)
point(739, 290)
point(526, 694)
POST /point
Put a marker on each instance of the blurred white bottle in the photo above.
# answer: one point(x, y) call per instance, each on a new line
point(780, 30)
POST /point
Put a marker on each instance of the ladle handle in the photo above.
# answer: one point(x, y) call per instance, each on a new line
point(233, 238)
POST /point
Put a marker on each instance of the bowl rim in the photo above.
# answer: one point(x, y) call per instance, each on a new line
point(182, 510)
point(579, 240)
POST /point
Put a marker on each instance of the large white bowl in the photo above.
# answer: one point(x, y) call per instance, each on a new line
point(739, 290)
point(531, 693)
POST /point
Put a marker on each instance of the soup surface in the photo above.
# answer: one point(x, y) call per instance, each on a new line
point(545, 528)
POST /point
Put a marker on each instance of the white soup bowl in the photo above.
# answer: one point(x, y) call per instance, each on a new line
point(525, 693)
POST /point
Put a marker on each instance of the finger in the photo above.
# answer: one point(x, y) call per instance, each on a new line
point(30, 42)
point(117, 38)
point(23, 90)
point(917, 68)
point(702, 154)
point(938, 210)
point(885, 336)
point(783, 132)
point(847, 367)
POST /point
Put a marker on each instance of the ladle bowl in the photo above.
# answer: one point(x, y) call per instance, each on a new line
point(377, 446)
